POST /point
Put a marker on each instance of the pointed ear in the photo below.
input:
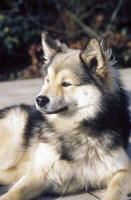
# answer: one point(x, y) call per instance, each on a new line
point(94, 58)
point(51, 47)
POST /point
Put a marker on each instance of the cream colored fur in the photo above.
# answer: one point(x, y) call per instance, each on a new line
point(30, 171)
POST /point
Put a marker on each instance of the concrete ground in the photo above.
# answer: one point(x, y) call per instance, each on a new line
point(25, 91)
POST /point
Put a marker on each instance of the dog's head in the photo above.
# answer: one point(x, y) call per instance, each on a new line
point(73, 79)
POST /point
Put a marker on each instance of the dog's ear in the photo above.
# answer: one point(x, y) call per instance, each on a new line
point(51, 47)
point(94, 58)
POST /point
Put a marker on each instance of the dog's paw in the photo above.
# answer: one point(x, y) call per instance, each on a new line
point(110, 197)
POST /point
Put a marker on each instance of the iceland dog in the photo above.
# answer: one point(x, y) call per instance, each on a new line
point(75, 138)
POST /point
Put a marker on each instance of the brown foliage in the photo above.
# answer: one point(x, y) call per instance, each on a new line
point(74, 22)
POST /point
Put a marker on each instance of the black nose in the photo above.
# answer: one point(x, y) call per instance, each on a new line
point(42, 100)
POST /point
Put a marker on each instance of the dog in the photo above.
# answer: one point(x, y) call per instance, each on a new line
point(76, 136)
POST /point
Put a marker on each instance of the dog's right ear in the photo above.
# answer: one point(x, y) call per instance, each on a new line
point(51, 47)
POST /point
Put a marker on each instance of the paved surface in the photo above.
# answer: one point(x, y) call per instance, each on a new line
point(25, 91)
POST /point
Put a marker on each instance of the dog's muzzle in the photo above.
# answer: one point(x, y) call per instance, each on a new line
point(42, 101)
point(45, 106)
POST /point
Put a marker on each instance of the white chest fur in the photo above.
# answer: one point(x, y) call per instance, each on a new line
point(97, 168)
point(45, 156)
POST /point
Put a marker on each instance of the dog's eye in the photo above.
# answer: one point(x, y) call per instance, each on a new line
point(66, 84)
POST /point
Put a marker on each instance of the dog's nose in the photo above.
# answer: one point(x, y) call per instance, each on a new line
point(42, 100)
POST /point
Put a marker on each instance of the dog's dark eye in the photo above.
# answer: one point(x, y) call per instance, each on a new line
point(66, 84)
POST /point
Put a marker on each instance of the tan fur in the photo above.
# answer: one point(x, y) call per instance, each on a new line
point(119, 188)
point(35, 169)
point(11, 130)
point(53, 167)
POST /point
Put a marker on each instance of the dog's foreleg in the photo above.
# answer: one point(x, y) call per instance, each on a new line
point(29, 186)
point(119, 186)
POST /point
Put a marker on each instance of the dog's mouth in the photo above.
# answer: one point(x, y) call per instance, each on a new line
point(56, 111)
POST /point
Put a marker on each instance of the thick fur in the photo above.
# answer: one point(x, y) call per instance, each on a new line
point(76, 137)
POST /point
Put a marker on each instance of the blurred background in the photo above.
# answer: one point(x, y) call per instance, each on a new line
point(74, 22)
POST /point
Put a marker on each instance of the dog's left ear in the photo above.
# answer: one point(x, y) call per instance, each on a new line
point(94, 58)
point(51, 47)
